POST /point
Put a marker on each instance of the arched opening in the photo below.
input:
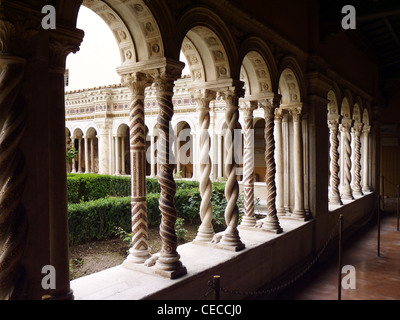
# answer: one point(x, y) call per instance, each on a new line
point(78, 164)
point(122, 150)
point(184, 150)
point(259, 150)
point(92, 151)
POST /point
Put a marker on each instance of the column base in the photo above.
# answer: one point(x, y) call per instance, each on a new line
point(138, 256)
point(153, 270)
point(299, 215)
point(230, 240)
point(281, 212)
point(248, 221)
point(204, 234)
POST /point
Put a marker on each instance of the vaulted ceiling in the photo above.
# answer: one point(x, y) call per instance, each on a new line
point(377, 31)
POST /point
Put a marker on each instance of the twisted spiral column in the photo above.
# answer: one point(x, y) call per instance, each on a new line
point(346, 139)
point(169, 257)
point(231, 235)
point(140, 250)
point(334, 194)
point(271, 222)
point(356, 131)
point(249, 218)
point(203, 99)
point(13, 222)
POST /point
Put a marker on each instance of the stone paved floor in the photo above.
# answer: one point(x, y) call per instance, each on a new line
point(377, 277)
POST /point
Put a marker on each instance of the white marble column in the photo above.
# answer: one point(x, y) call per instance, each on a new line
point(152, 156)
point(86, 154)
point(346, 192)
point(203, 99)
point(80, 154)
point(92, 170)
point(231, 238)
point(298, 211)
point(123, 156)
point(279, 177)
point(117, 155)
point(356, 177)
point(220, 153)
point(73, 163)
point(365, 158)
point(334, 194)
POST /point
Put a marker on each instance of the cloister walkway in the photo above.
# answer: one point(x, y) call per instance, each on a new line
point(377, 277)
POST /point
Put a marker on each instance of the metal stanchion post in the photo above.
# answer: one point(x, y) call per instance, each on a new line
point(217, 286)
point(379, 228)
point(398, 209)
point(340, 257)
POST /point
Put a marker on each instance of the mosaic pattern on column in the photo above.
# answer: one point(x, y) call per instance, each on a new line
point(249, 218)
point(334, 194)
point(203, 99)
point(13, 223)
point(271, 222)
point(169, 257)
point(140, 250)
point(231, 237)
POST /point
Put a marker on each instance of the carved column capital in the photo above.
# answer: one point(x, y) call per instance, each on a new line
point(247, 108)
point(296, 114)
point(203, 97)
point(137, 82)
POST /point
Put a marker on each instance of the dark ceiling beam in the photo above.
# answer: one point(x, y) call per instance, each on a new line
point(391, 30)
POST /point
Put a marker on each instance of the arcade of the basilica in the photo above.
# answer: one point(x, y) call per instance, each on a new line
point(268, 107)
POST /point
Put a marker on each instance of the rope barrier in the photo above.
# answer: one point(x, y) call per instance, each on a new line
point(216, 285)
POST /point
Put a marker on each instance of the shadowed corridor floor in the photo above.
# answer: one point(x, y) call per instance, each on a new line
point(377, 277)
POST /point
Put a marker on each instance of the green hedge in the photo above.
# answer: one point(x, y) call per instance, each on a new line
point(97, 219)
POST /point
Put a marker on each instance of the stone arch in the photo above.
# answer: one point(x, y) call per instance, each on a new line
point(365, 116)
point(207, 45)
point(258, 66)
point(346, 108)
point(134, 27)
point(333, 105)
point(291, 83)
point(357, 110)
point(183, 147)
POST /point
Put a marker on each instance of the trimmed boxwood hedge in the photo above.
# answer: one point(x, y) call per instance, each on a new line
point(101, 203)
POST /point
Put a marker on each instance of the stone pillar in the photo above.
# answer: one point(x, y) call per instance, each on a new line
point(117, 155)
point(365, 158)
point(298, 211)
point(356, 178)
point(220, 154)
point(203, 98)
point(153, 163)
point(140, 250)
point(61, 44)
point(73, 163)
point(105, 147)
point(231, 237)
point(123, 155)
point(270, 222)
point(334, 194)
point(91, 169)
point(80, 154)
point(279, 177)
point(346, 154)
point(169, 259)
point(248, 218)
point(86, 154)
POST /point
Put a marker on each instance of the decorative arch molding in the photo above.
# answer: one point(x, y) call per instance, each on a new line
point(333, 105)
point(134, 27)
point(291, 79)
point(366, 114)
point(254, 48)
point(358, 109)
point(91, 131)
point(77, 133)
point(207, 25)
point(347, 105)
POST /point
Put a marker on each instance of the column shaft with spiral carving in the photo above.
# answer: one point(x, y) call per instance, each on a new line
point(140, 251)
point(169, 259)
point(13, 223)
point(346, 148)
point(270, 222)
point(298, 211)
point(203, 99)
point(231, 237)
point(334, 194)
point(356, 179)
point(249, 219)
